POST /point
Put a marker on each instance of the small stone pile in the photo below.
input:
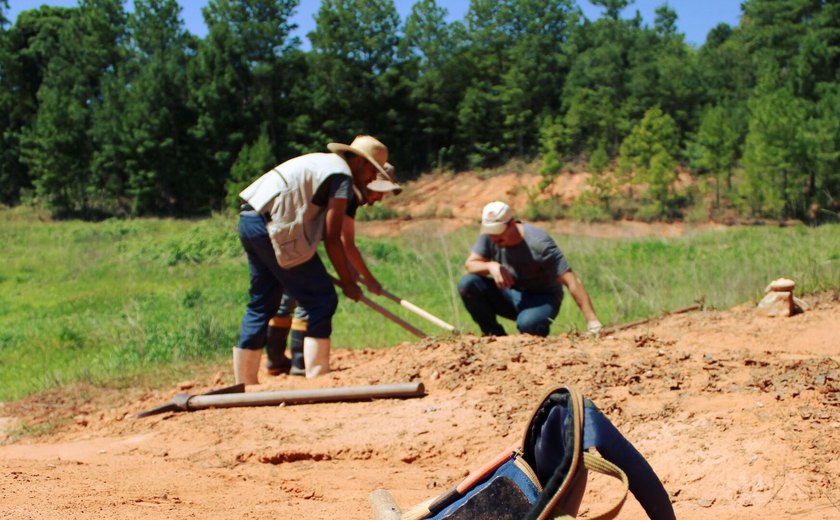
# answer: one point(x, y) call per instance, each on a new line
point(780, 301)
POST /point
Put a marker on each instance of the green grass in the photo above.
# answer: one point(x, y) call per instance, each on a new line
point(107, 303)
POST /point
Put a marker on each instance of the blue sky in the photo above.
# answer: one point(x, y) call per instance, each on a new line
point(695, 17)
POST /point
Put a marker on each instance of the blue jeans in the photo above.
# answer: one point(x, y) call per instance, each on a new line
point(266, 287)
point(533, 312)
point(308, 283)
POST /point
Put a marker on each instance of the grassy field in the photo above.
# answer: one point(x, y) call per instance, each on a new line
point(117, 301)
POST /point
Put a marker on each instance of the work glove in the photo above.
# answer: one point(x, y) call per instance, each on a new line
point(593, 327)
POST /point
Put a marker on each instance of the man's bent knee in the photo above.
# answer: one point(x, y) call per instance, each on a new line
point(470, 285)
point(534, 327)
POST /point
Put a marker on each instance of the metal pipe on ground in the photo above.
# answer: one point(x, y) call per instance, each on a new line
point(186, 402)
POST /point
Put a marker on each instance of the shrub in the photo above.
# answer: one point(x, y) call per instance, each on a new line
point(585, 209)
point(545, 209)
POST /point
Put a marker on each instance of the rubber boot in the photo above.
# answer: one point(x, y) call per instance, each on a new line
point(316, 355)
point(275, 345)
point(296, 347)
point(246, 365)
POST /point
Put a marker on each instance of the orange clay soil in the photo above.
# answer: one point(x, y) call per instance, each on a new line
point(738, 414)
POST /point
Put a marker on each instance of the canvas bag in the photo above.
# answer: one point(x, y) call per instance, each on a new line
point(544, 475)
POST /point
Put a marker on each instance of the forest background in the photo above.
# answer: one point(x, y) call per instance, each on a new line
point(106, 113)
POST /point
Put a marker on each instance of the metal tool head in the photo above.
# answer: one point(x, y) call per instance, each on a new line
point(181, 400)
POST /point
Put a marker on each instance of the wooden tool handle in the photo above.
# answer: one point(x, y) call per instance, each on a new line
point(420, 312)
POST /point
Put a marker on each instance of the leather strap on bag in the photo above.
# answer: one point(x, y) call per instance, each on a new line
point(575, 402)
point(589, 461)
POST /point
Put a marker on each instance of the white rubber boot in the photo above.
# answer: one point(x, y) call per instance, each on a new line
point(246, 365)
point(316, 356)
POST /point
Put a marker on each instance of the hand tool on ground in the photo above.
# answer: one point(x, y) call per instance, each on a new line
point(681, 310)
point(171, 407)
point(388, 314)
point(420, 312)
point(187, 402)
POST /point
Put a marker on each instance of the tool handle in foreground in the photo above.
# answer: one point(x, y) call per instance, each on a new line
point(383, 505)
point(385, 312)
point(393, 317)
point(418, 311)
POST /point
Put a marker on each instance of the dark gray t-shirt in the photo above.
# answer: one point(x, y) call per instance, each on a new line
point(339, 187)
point(535, 263)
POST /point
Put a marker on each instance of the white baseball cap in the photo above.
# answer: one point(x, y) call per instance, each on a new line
point(495, 218)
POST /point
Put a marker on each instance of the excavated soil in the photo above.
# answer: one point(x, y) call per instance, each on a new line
point(738, 414)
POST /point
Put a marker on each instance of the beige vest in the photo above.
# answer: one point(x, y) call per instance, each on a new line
point(297, 225)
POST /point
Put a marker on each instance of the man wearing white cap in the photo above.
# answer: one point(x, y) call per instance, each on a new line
point(516, 271)
point(287, 212)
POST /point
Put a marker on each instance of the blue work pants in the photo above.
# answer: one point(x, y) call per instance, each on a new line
point(532, 311)
point(309, 283)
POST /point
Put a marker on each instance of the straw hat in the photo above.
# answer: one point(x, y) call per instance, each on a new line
point(376, 153)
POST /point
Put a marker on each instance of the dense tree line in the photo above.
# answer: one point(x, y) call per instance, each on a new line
point(109, 112)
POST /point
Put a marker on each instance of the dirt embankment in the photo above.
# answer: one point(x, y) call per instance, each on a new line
point(443, 203)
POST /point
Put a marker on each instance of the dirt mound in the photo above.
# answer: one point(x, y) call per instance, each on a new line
point(738, 414)
point(463, 195)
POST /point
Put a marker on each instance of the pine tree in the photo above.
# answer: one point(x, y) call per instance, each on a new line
point(772, 185)
point(254, 159)
point(27, 50)
point(59, 147)
point(236, 83)
point(537, 65)
point(431, 50)
point(593, 108)
point(354, 50)
point(650, 150)
point(716, 147)
point(143, 155)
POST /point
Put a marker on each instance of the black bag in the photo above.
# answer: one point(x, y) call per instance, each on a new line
point(544, 476)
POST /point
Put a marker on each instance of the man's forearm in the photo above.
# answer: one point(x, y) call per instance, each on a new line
point(335, 251)
point(480, 267)
point(580, 295)
point(357, 262)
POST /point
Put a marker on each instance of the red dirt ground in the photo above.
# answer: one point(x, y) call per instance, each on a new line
point(738, 414)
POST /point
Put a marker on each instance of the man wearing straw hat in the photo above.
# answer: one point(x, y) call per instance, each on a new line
point(290, 323)
point(516, 271)
point(287, 212)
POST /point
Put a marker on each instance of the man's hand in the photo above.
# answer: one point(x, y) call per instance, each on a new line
point(352, 291)
point(594, 327)
point(373, 286)
point(502, 277)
